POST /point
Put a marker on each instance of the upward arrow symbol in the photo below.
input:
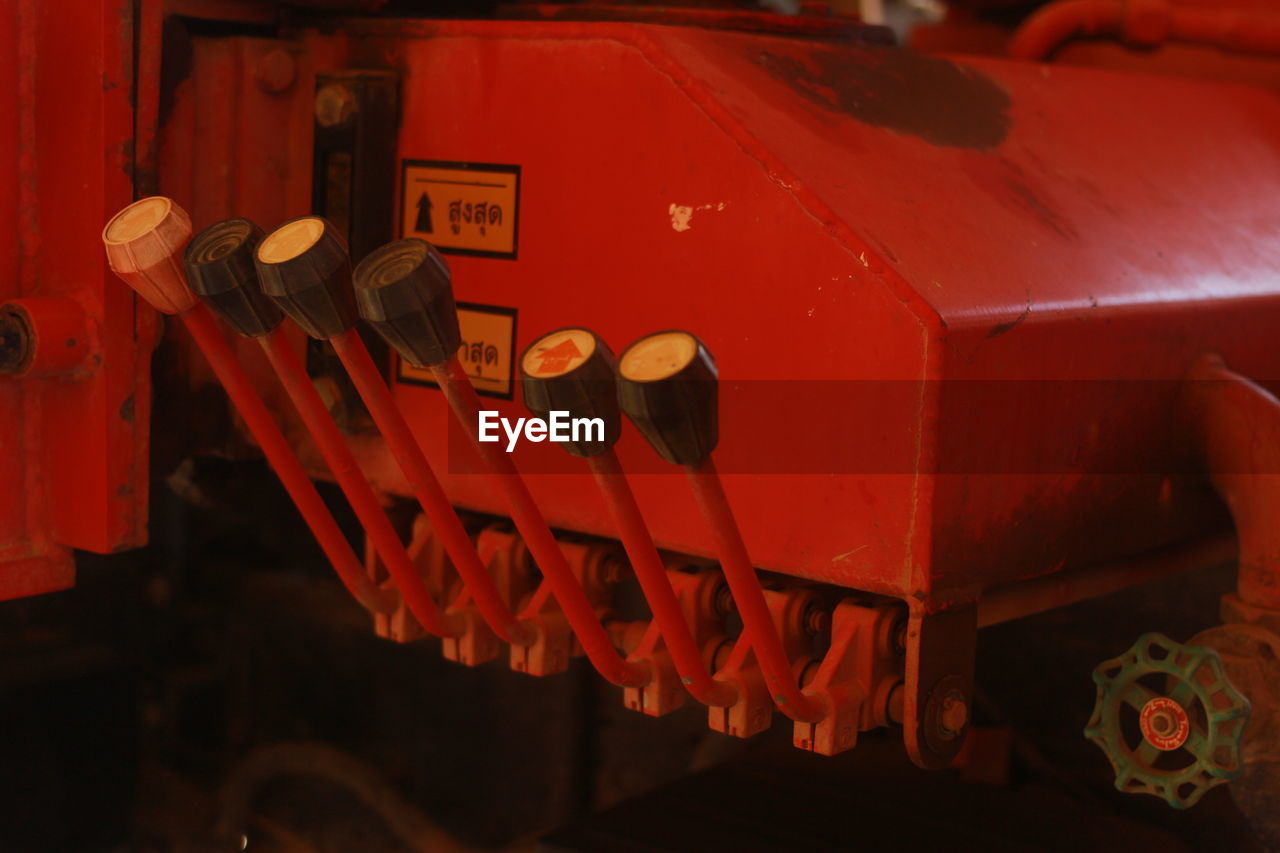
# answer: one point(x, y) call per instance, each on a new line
point(556, 359)
point(423, 225)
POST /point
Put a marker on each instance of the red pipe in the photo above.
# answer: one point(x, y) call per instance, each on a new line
point(205, 332)
point(537, 535)
point(427, 489)
point(338, 456)
point(1143, 23)
point(1228, 30)
point(1238, 429)
point(1058, 23)
point(757, 622)
point(657, 588)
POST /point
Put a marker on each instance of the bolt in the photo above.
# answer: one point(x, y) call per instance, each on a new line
point(612, 570)
point(895, 705)
point(723, 600)
point(809, 672)
point(275, 71)
point(335, 105)
point(817, 619)
point(954, 715)
point(1162, 723)
point(16, 345)
point(720, 656)
point(900, 635)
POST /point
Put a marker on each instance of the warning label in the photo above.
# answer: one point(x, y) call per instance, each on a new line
point(462, 208)
point(487, 354)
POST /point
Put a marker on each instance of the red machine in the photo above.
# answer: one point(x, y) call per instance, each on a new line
point(988, 336)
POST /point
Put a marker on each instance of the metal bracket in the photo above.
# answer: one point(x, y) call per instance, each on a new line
point(855, 679)
point(555, 643)
point(665, 691)
point(753, 712)
point(939, 682)
point(507, 560)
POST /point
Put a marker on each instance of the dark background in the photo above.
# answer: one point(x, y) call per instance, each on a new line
point(219, 690)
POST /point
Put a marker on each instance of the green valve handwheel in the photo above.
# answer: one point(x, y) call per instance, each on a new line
point(1169, 720)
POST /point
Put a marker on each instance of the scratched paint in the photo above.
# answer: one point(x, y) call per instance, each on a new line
point(682, 214)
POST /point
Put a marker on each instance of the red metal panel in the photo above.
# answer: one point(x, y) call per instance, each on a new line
point(74, 444)
point(597, 246)
point(858, 213)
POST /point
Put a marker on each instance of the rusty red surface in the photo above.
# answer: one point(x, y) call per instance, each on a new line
point(840, 231)
point(74, 433)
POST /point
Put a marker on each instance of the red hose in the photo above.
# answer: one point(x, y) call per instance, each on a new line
point(757, 622)
point(537, 535)
point(204, 331)
point(1147, 24)
point(657, 588)
point(426, 487)
point(338, 456)
point(1058, 23)
point(1229, 30)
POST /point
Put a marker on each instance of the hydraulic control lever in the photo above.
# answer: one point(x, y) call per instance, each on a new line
point(404, 291)
point(304, 268)
point(667, 386)
point(220, 268)
point(580, 380)
point(144, 244)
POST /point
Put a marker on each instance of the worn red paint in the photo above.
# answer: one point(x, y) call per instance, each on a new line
point(1037, 248)
point(74, 468)
point(940, 101)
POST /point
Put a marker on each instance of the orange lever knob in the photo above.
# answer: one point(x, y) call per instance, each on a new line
point(144, 244)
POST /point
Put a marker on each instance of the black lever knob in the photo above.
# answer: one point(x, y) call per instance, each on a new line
point(220, 270)
point(667, 387)
point(304, 267)
point(572, 370)
point(404, 291)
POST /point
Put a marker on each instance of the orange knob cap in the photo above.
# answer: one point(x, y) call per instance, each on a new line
point(144, 247)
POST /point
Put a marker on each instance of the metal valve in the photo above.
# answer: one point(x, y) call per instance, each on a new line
point(304, 267)
point(1168, 720)
point(667, 387)
point(220, 269)
point(403, 290)
point(572, 370)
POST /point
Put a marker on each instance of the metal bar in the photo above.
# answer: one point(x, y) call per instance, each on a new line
point(1237, 427)
point(204, 330)
point(427, 489)
point(657, 588)
point(758, 626)
point(359, 493)
point(537, 535)
point(1027, 598)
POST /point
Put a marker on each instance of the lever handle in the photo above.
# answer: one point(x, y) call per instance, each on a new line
point(144, 244)
point(220, 270)
point(404, 291)
point(572, 370)
point(667, 387)
point(304, 268)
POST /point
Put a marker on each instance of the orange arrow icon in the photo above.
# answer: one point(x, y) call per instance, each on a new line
point(558, 358)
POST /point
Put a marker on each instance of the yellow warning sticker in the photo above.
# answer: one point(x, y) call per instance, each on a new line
point(487, 353)
point(462, 208)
